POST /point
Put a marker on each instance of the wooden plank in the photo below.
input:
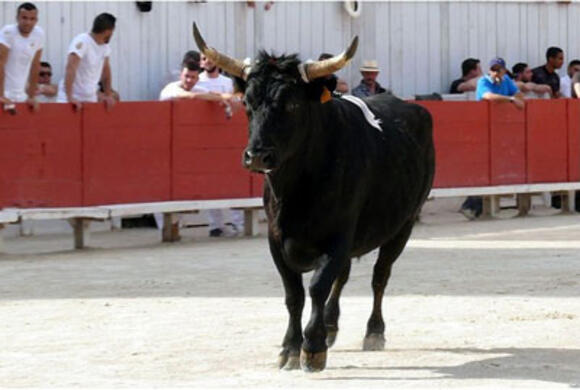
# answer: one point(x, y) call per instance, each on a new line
point(8, 216)
point(505, 189)
point(179, 206)
point(62, 213)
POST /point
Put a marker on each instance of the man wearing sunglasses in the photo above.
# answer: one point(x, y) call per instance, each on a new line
point(46, 91)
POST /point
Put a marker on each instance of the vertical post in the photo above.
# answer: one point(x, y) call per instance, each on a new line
point(26, 228)
point(490, 206)
point(81, 232)
point(170, 232)
point(250, 222)
point(524, 203)
point(1, 237)
point(568, 202)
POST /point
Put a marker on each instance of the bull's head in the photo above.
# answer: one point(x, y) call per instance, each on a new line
point(281, 96)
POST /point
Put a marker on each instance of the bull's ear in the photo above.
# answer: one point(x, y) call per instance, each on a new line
point(239, 85)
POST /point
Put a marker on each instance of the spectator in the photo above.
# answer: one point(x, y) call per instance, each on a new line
point(546, 74)
point(566, 81)
point(212, 80)
point(87, 64)
point(522, 75)
point(191, 55)
point(334, 84)
point(45, 90)
point(21, 47)
point(369, 85)
point(496, 86)
point(187, 87)
point(471, 72)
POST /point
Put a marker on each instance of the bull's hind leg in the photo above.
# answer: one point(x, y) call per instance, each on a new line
point(332, 309)
point(388, 254)
point(289, 358)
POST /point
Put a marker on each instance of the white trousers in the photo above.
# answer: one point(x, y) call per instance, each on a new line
point(216, 219)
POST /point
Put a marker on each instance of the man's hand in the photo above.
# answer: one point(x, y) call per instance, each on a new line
point(5, 100)
point(33, 104)
point(109, 102)
point(519, 103)
point(77, 105)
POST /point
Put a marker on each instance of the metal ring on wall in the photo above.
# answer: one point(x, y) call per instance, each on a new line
point(353, 8)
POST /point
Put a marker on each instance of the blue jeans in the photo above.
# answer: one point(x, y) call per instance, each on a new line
point(474, 203)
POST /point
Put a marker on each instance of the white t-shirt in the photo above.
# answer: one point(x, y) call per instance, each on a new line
point(566, 86)
point(172, 90)
point(22, 51)
point(221, 84)
point(90, 68)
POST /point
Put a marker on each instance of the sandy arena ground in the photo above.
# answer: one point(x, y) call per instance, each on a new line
point(486, 304)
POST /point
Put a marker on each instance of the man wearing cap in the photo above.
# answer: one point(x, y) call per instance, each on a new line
point(496, 86)
point(369, 85)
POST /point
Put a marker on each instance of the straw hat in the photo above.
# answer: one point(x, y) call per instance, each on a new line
point(369, 66)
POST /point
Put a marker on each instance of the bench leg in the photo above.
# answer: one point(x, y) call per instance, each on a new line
point(26, 228)
point(568, 202)
point(490, 206)
point(116, 223)
point(170, 232)
point(251, 222)
point(524, 203)
point(1, 238)
point(81, 232)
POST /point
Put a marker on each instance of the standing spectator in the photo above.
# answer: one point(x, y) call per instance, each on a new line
point(566, 80)
point(20, 52)
point(334, 84)
point(522, 74)
point(189, 56)
point(369, 85)
point(87, 64)
point(546, 74)
point(471, 72)
point(212, 80)
point(46, 91)
point(496, 86)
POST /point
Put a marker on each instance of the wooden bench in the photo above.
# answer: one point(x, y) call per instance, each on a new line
point(523, 192)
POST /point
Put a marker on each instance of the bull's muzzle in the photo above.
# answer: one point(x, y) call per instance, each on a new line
point(259, 160)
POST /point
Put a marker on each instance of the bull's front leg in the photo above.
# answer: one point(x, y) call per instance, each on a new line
point(313, 354)
point(289, 358)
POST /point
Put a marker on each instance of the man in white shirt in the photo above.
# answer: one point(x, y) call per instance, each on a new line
point(566, 81)
point(46, 91)
point(87, 64)
point(20, 52)
point(187, 86)
point(216, 82)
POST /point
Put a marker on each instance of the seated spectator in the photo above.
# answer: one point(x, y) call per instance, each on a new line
point(566, 80)
point(369, 85)
point(334, 84)
point(186, 88)
point(45, 90)
point(522, 75)
point(546, 74)
point(471, 71)
point(496, 86)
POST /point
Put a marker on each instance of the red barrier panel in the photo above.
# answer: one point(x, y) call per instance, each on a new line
point(573, 140)
point(127, 153)
point(207, 152)
point(257, 185)
point(547, 141)
point(461, 134)
point(40, 157)
point(508, 144)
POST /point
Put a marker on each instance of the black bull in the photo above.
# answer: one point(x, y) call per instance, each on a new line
point(335, 188)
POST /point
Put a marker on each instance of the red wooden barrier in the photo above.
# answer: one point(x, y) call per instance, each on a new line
point(40, 157)
point(462, 149)
point(155, 151)
point(207, 152)
point(508, 144)
point(573, 140)
point(127, 153)
point(547, 141)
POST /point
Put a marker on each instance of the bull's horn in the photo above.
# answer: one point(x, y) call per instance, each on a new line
point(323, 68)
point(231, 65)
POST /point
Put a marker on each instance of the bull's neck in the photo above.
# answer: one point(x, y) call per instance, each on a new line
point(311, 157)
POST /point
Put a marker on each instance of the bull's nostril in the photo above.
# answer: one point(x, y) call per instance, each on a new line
point(267, 159)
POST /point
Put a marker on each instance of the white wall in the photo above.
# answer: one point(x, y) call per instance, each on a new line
point(419, 45)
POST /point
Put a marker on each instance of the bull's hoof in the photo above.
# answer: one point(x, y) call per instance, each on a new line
point(288, 360)
point(374, 342)
point(331, 337)
point(312, 362)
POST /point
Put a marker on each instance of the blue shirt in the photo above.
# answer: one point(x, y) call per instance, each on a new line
point(506, 87)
